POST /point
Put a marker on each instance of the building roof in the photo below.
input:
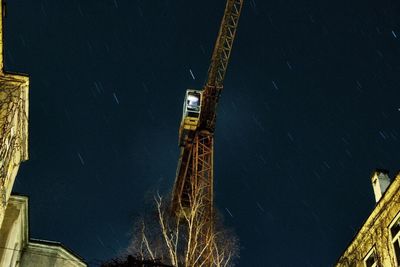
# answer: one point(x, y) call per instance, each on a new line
point(32, 241)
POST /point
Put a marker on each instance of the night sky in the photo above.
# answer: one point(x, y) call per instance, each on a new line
point(310, 108)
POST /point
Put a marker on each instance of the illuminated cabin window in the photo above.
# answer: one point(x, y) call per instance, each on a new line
point(192, 104)
point(371, 260)
point(395, 234)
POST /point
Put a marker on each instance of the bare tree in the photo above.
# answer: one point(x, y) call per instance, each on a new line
point(178, 239)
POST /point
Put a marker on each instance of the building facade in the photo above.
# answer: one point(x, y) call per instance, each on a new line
point(16, 247)
point(377, 243)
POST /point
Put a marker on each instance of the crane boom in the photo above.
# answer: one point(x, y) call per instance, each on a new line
point(219, 63)
point(223, 45)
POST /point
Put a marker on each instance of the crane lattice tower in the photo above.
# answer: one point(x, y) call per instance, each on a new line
point(194, 176)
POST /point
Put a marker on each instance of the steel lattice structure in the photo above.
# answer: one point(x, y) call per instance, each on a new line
point(195, 177)
point(219, 63)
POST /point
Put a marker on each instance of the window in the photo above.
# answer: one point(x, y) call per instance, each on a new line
point(193, 101)
point(371, 260)
point(395, 235)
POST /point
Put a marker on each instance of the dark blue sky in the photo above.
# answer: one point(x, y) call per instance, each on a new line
point(310, 109)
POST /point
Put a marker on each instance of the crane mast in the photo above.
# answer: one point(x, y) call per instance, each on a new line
point(194, 176)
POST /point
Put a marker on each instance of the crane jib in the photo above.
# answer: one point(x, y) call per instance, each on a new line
point(223, 45)
point(219, 64)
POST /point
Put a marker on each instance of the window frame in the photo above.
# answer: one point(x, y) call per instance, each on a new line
point(396, 238)
point(366, 258)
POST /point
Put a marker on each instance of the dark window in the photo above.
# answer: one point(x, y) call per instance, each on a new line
point(395, 228)
point(193, 114)
point(395, 232)
point(397, 250)
point(371, 260)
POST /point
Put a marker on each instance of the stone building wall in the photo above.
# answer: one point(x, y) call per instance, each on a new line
point(375, 233)
point(13, 132)
point(17, 250)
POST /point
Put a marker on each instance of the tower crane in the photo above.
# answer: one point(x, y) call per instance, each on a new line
point(196, 132)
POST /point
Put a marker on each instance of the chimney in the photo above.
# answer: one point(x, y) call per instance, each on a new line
point(380, 182)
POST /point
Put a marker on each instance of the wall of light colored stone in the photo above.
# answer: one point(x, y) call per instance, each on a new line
point(14, 231)
point(17, 250)
point(375, 232)
point(49, 255)
point(13, 132)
